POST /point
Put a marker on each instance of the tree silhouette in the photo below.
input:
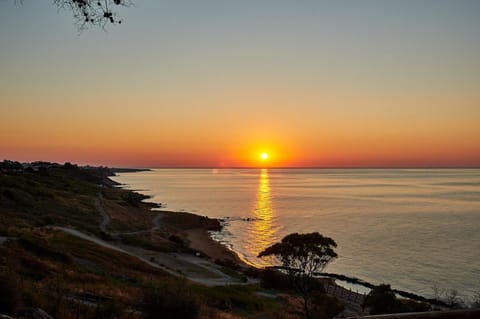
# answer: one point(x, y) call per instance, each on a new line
point(302, 256)
point(93, 12)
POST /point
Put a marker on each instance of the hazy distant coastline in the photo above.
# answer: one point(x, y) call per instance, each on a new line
point(129, 170)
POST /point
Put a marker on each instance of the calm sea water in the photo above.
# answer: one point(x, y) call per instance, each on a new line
point(412, 228)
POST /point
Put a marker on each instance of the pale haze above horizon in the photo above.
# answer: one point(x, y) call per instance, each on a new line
point(244, 83)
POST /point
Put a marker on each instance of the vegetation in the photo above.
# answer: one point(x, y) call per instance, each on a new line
point(382, 300)
point(9, 297)
point(65, 275)
point(274, 279)
point(240, 299)
point(324, 306)
point(172, 300)
point(189, 221)
point(43, 194)
point(42, 267)
point(302, 256)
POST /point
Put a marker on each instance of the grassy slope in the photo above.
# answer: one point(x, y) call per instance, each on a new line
point(62, 274)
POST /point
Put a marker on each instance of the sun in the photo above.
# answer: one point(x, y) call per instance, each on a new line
point(264, 156)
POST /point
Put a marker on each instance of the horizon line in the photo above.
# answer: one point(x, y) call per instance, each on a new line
point(476, 166)
point(302, 167)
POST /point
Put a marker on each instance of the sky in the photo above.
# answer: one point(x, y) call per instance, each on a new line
point(216, 83)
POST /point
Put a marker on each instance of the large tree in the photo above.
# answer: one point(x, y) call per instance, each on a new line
point(302, 256)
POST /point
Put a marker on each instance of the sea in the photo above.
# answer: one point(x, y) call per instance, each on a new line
point(415, 229)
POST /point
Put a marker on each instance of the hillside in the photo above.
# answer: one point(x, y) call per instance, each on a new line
point(76, 246)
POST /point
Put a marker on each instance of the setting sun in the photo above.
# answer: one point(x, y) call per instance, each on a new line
point(264, 156)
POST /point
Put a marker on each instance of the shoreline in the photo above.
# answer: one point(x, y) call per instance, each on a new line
point(92, 229)
point(197, 235)
point(344, 207)
point(203, 240)
point(197, 232)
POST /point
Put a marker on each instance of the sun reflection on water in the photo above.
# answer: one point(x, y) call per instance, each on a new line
point(261, 232)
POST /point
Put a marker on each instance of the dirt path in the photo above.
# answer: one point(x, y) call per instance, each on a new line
point(156, 222)
point(156, 226)
point(181, 265)
point(103, 213)
point(194, 268)
point(106, 220)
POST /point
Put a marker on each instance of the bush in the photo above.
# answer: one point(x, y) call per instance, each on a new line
point(324, 306)
point(9, 294)
point(232, 297)
point(133, 199)
point(169, 301)
point(40, 247)
point(176, 239)
point(274, 279)
point(380, 300)
point(109, 310)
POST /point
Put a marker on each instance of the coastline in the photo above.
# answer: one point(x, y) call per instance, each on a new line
point(203, 240)
point(178, 242)
point(347, 206)
point(95, 208)
point(90, 229)
point(195, 230)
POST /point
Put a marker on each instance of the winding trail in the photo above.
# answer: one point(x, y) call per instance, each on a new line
point(180, 265)
point(156, 226)
point(184, 265)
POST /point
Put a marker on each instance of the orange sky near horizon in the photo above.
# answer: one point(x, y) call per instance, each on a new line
point(215, 84)
point(314, 139)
